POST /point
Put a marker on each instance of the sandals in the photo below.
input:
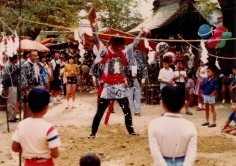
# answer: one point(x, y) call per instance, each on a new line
point(189, 113)
point(212, 125)
point(205, 124)
point(137, 114)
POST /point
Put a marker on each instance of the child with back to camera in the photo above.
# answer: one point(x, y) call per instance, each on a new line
point(34, 137)
point(172, 138)
point(90, 159)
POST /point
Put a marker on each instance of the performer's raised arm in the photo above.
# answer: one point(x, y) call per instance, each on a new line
point(93, 22)
point(130, 48)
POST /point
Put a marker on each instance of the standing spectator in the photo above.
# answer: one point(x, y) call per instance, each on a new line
point(10, 83)
point(165, 77)
point(233, 88)
point(166, 74)
point(56, 82)
point(176, 143)
point(227, 81)
point(210, 88)
point(180, 77)
point(43, 71)
point(71, 72)
point(35, 138)
point(201, 74)
point(136, 76)
point(190, 88)
point(30, 77)
point(85, 77)
point(50, 71)
point(46, 68)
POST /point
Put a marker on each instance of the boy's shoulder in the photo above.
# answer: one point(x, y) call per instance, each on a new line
point(30, 121)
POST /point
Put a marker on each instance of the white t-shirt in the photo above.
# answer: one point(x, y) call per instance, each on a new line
point(165, 75)
point(202, 71)
point(36, 137)
point(177, 73)
point(55, 62)
point(177, 139)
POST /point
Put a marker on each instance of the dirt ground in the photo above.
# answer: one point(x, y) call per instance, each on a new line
point(113, 145)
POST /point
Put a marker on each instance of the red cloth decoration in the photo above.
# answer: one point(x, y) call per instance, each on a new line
point(114, 55)
point(113, 79)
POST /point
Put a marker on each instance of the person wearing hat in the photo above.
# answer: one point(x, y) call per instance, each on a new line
point(34, 137)
point(113, 63)
point(30, 77)
point(172, 138)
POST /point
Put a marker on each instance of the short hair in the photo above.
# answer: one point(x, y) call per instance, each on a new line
point(25, 54)
point(41, 57)
point(167, 60)
point(90, 159)
point(212, 68)
point(179, 60)
point(226, 72)
point(70, 57)
point(38, 99)
point(173, 96)
point(190, 74)
point(14, 57)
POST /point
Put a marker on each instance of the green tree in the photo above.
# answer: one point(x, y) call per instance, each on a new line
point(55, 12)
point(118, 14)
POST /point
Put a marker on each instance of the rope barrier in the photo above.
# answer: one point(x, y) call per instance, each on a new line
point(126, 37)
point(228, 58)
point(159, 40)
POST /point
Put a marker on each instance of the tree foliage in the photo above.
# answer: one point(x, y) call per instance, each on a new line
point(118, 14)
point(56, 12)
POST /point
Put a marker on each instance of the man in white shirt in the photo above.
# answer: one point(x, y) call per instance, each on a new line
point(172, 139)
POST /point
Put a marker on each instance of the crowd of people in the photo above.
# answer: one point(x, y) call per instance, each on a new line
point(117, 75)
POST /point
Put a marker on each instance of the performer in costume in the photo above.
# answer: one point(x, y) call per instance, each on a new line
point(112, 64)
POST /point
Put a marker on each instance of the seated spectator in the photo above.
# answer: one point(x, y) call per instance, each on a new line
point(227, 81)
point(190, 89)
point(227, 128)
point(233, 88)
point(176, 142)
point(90, 159)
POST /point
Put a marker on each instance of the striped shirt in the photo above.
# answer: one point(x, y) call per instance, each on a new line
point(36, 137)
